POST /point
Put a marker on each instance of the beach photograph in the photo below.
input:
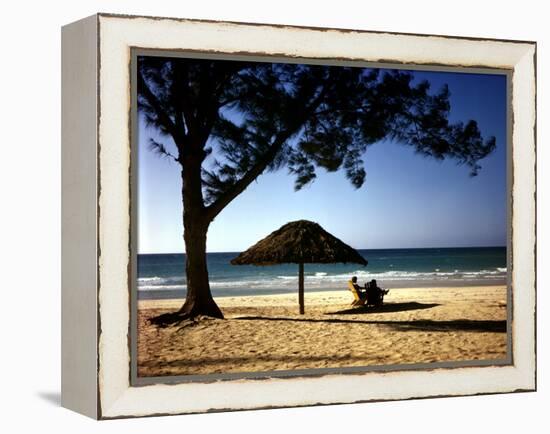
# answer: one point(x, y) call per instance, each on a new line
point(297, 218)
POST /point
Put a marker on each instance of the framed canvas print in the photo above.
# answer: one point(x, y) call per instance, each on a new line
point(261, 216)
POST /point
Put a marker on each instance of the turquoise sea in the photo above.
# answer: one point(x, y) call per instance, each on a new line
point(163, 275)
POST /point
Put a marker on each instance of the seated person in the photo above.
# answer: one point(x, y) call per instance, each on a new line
point(360, 291)
point(375, 294)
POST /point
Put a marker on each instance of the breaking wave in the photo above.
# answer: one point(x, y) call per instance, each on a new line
point(323, 280)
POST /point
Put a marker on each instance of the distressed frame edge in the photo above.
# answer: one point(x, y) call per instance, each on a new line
point(304, 27)
point(109, 414)
point(79, 188)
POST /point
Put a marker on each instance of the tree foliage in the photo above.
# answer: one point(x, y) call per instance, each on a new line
point(265, 116)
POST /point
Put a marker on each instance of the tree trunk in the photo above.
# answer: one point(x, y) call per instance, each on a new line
point(199, 299)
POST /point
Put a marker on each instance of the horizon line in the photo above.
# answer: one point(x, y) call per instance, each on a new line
point(359, 248)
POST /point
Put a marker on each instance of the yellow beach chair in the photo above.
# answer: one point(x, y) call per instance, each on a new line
point(357, 300)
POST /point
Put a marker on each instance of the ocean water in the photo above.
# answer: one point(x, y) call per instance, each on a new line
point(163, 275)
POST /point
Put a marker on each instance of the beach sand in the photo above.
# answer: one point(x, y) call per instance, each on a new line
point(266, 333)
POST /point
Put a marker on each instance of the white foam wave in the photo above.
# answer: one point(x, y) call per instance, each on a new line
point(162, 287)
point(323, 279)
point(160, 280)
point(150, 279)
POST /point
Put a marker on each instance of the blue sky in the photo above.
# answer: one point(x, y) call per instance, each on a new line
point(406, 201)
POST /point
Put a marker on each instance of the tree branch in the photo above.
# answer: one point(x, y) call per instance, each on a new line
point(164, 118)
point(238, 187)
point(160, 149)
point(189, 119)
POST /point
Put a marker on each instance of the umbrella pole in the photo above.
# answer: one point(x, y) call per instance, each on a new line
point(301, 288)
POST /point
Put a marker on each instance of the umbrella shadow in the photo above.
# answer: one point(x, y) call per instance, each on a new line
point(385, 308)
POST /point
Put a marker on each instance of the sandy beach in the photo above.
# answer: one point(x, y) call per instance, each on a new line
point(266, 333)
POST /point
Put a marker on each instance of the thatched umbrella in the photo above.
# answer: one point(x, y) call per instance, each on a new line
point(300, 242)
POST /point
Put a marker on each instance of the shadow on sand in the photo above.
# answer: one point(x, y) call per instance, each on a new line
point(385, 308)
point(468, 325)
point(297, 357)
point(482, 326)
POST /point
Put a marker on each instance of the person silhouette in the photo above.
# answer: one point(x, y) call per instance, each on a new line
point(375, 294)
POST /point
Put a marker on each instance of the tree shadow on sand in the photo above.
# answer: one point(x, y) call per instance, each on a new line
point(466, 325)
point(385, 308)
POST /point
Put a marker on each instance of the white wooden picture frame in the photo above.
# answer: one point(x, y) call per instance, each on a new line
point(96, 180)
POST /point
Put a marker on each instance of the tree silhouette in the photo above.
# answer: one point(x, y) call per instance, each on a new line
point(231, 121)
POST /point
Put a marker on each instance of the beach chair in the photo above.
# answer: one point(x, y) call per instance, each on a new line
point(357, 300)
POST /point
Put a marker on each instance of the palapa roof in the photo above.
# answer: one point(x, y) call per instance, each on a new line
point(298, 242)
